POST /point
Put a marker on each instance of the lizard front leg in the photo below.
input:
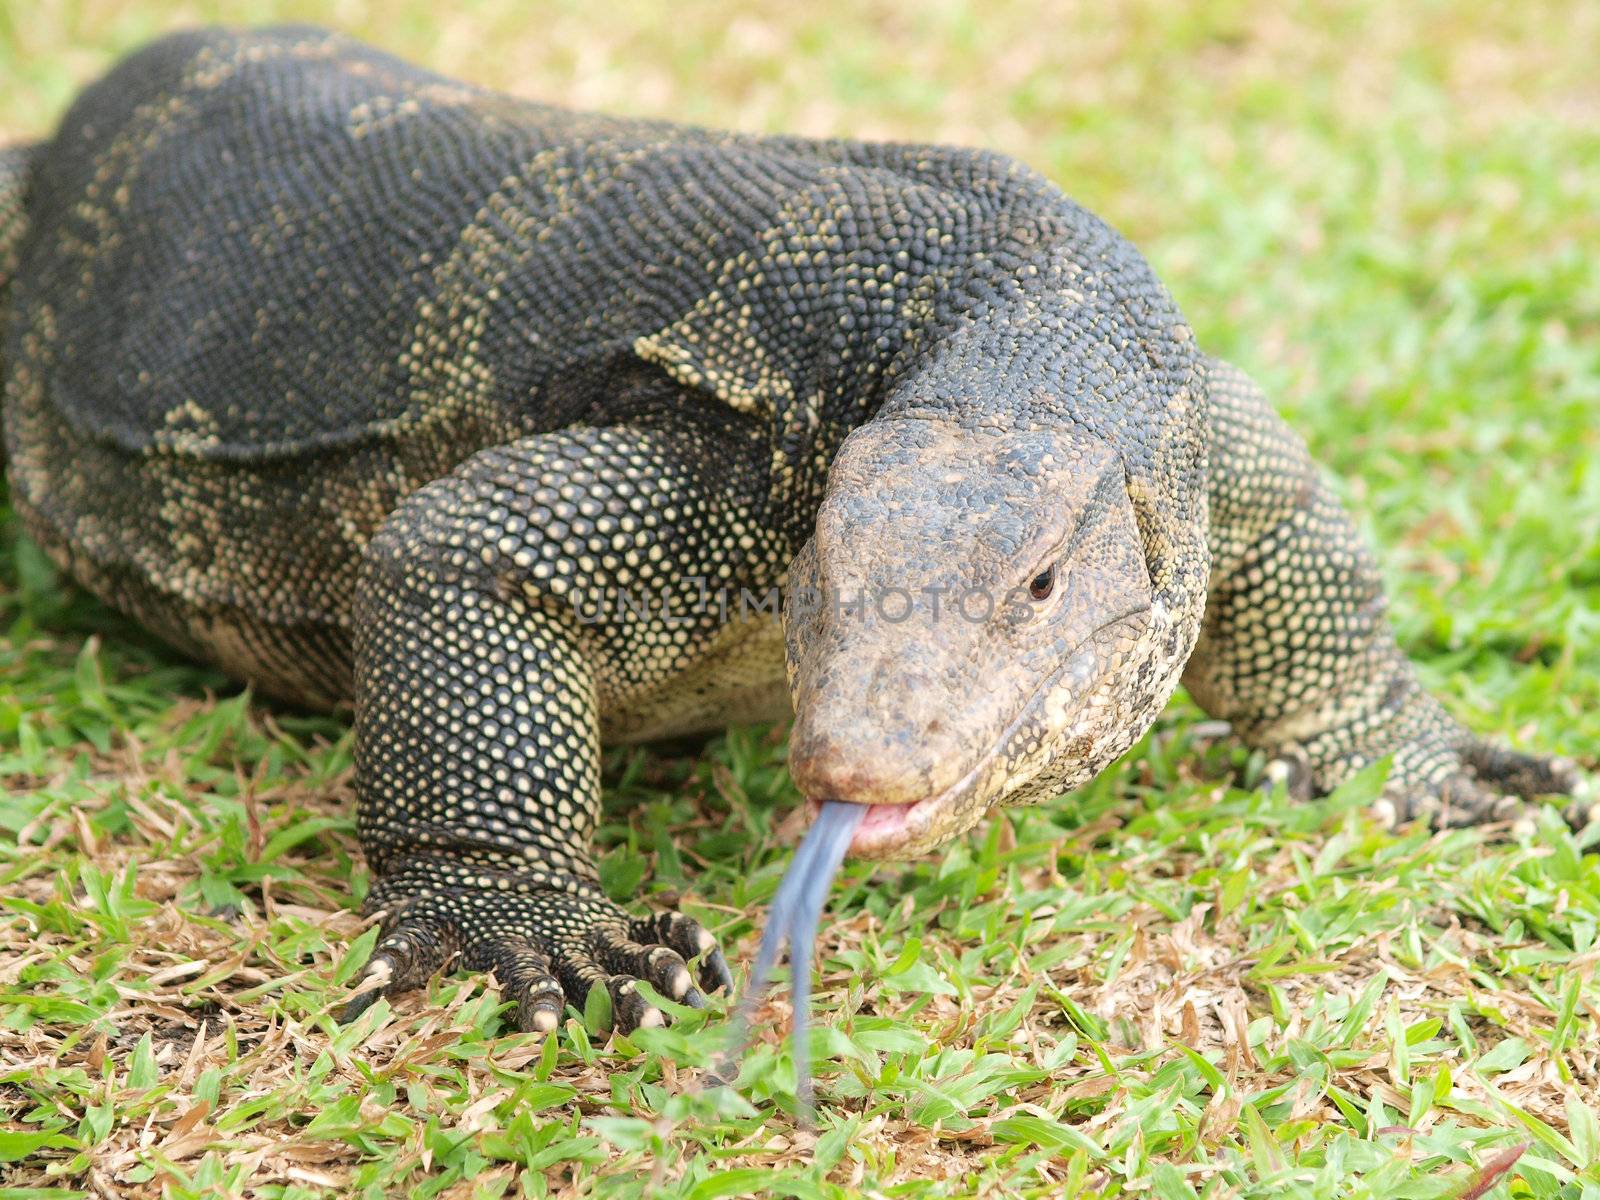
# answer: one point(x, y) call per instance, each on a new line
point(1296, 652)
point(478, 699)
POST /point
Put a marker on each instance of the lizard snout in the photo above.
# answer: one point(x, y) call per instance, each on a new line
point(887, 745)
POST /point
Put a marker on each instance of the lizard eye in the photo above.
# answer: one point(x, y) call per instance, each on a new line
point(1043, 584)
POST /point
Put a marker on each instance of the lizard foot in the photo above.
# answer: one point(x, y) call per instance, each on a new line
point(546, 947)
point(1440, 772)
point(1478, 782)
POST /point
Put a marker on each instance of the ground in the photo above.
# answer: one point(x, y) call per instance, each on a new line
point(1165, 986)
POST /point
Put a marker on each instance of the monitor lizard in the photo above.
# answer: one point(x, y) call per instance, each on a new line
point(379, 389)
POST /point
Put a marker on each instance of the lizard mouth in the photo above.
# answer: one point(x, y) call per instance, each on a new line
point(906, 830)
point(886, 829)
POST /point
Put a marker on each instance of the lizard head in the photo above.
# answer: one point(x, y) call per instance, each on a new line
point(972, 623)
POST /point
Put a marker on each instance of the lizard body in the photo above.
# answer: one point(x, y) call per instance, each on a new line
point(377, 388)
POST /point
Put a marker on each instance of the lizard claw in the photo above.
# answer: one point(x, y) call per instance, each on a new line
point(545, 948)
point(1439, 771)
point(691, 941)
point(413, 950)
point(359, 1003)
point(1479, 782)
point(1473, 782)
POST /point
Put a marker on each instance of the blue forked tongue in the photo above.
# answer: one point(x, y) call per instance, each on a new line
point(793, 916)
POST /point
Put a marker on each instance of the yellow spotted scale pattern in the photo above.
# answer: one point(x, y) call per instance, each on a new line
point(366, 385)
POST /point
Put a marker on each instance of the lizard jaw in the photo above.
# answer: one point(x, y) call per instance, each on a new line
point(898, 831)
point(886, 830)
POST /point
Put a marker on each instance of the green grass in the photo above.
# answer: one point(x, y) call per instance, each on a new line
point(1163, 987)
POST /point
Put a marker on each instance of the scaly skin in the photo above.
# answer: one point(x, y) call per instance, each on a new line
point(16, 164)
point(376, 388)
